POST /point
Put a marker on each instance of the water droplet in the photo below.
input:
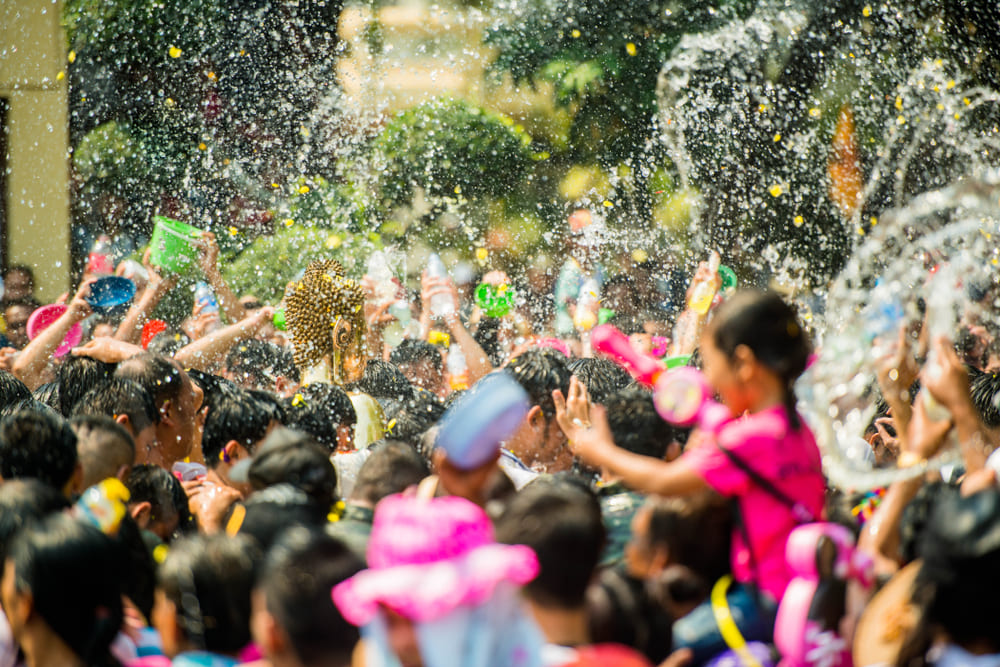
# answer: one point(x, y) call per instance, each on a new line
point(175, 52)
point(798, 221)
point(775, 190)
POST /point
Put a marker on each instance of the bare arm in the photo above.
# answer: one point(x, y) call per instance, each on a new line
point(590, 439)
point(206, 353)
point(130, 330)
point(208, 259)
point(880, 536)
point(31, 363)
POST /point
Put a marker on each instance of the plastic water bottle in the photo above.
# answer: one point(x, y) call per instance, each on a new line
point(704, 290)
point(379, 271)
point(458, 369)
point(103, 505)
point(99, 260)
point(205, 297)
point(441, 304)
point(587, 305)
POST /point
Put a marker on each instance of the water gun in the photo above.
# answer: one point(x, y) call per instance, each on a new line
point(681, 395)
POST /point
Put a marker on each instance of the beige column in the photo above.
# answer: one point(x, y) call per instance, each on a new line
point(33, 81)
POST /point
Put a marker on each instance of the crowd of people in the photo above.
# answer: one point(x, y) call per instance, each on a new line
point(175, 493)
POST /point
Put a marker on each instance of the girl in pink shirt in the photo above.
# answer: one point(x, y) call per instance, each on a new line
point(753, 350)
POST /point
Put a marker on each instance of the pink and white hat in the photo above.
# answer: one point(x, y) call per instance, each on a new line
point(428, 557)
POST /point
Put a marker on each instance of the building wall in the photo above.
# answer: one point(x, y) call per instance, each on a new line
point(33, 80)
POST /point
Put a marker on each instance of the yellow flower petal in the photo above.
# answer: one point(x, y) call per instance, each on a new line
point(175, 52)
point(631, 49)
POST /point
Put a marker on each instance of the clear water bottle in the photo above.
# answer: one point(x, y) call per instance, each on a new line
point(704, 290)
point(100, 261)
point(587, 305)
point(441, 304)
point(458, 369)
point(205, 297)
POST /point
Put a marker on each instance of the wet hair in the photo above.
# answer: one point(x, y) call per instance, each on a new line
point(288, 457)
point(540, 371)
point(383, 381)
point(208, 579)
point(234, 414)
point(561, 521)
point(985, 390)
point(410, 420)
point(272, 511)
point(770, 328)
point(48, 394)
point(119, 396)
point(158, 375)
point(414, 351)
point(622, 610)
point(392, 467)
point(164, 493)
point(38, 444)
point(319, 409)
point(61, 554)
point(166, 343)
point(29, 405)
point(258, 363)
point(22, 502)
point(297, 579)
point(635, 423)
point(488, 337)
point(600, 376)
point(77, 376)
point(102, 447)
point(12, 390)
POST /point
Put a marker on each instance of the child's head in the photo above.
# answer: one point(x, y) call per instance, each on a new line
point(754, 342)
point(203, 595)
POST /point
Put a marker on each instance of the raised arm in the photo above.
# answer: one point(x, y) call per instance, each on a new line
point(208, 259)
point(130, 330)
point(30, 364)
point(206, 353)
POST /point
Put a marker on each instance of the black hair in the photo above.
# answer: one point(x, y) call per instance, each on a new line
point(61, 554)
point(77, 376)
point(695, 530)
point(39, 444)
point(561, 521)
point(622, 610)
point(289, 457)
point(540, 371)
point(985, 392)
point(12, 390)
point(392, 467)
point(771, 329)
point(164, 493)
point(960, 553)
point(383, 380)
point(234, 414)
point(409, 420)
point(412, 351)
point(166, 343)
point(297, 578)
point(488, 337)
point(138, 575)
point(600, 376)
point(119, 396)
point(209, 579)
point(102, 447)
point(319, 409)
point(48, 394)
point(159, 376)
point(635, 423)
point(272, 511)
point(23, 501)
point(28, 405)
point(257, 363)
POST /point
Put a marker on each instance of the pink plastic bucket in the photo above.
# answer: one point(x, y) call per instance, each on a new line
point(43, 317)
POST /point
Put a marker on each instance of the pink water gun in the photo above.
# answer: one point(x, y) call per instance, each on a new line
point(681, 395)
point(822, 558)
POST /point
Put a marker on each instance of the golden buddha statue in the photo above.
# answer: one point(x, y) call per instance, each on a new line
point(325, 316)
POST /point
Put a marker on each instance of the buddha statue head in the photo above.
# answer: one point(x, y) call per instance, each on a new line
point(325, 315)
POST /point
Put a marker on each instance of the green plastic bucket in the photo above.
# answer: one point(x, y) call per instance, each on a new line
point(171, 246)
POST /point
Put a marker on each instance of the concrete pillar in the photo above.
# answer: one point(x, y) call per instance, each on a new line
point(34, 83)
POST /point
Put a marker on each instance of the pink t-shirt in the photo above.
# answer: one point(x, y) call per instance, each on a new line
point(787, 458)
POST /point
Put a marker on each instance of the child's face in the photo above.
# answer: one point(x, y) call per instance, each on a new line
point(725, 376)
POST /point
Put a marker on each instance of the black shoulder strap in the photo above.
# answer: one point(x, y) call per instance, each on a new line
point(799, 511)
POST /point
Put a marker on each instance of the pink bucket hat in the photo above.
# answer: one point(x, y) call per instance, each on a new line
point(427, 557)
